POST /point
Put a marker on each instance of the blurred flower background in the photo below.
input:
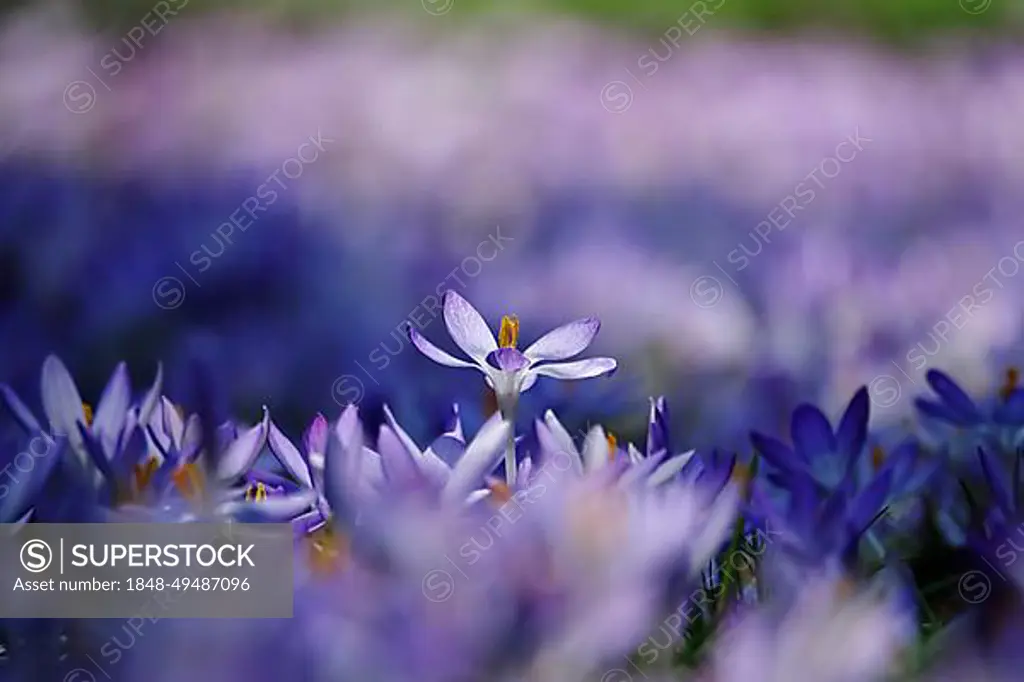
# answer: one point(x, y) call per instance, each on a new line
point(764, 201)
point(805, 191)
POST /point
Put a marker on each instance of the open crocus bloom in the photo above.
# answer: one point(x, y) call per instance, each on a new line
point(507, 370)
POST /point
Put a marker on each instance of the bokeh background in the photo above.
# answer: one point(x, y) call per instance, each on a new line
point(764, 201)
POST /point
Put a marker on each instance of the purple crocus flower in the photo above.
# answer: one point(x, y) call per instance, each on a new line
point(107, 436)
point(507, 370)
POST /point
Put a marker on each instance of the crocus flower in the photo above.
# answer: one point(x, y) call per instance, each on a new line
point(996, 423)
point(820, 457)
point(507, 370)
point(103, 435)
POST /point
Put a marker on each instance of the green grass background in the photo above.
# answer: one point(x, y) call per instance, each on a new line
point(892, 21)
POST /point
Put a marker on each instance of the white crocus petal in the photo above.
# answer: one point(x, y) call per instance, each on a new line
point(399, 464)
point(434, 467)
point(436, 354)
point(528, 381)
point(580, 369)
point(152, 398)
point(404, 437)
point(62, 403)
point(480, 459)
point(345, 465)
point(240, 455)
point(288, 455)
point(174, 427)
point(456, 429)
point(635, 456)
point(477, 495)
point(595, 449)
point(714, 527)
point(565, 342)
point(468, 328)
point(562, 441)
point(112, 409)
point(669, 468)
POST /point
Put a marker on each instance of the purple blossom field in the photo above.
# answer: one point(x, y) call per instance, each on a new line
point(562, 352)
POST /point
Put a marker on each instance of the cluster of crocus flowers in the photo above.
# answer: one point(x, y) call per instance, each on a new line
point(585, 547)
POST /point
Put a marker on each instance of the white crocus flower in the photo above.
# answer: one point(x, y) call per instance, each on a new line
point(507, 370)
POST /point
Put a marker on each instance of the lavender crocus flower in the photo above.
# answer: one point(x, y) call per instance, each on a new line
point(103, 435)
point(507, 370)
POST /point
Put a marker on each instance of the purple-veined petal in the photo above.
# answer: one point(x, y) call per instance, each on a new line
point(288, 455)
point(564, 342)
point(62, 402)
point(580, 369)
point(240, 455)
point(480, 459)
point(19, 410)
point(528, 380)
point(467, 327)
point(112, 409)
point(507, 360)
point(434, 353)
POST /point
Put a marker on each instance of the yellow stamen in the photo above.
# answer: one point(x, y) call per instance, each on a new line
point(189, 481)
point(144, 472)
point(1010, 384)
point(328, 551)
point(500, 492)
point(742, 478)
point(87, 409)
point(508, 336)
point(256, 493)
point(613, 446)
point(877, 457)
